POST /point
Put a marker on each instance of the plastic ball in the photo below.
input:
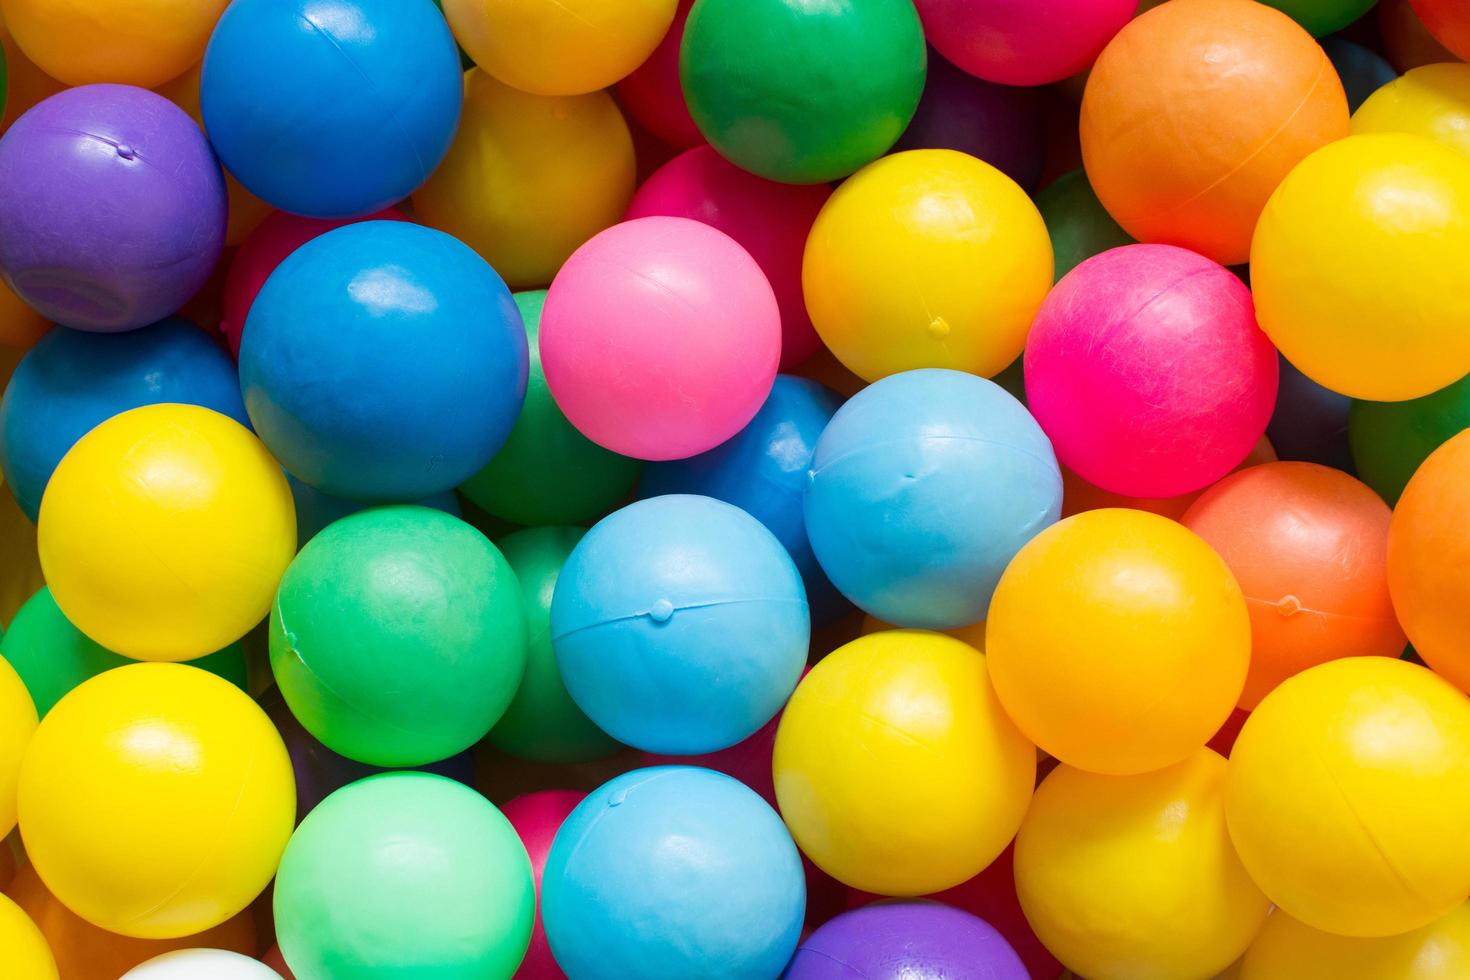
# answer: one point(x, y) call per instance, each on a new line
point(800, 92)
point(115, 229)
point(1146, 369)
point(680, 624)
point(398, 636)
point(52, 656)
point(653, 95)
point(1361, 70)
point(923, 488)
point(404, 875)
point(1321, 779)
point(383, 361)
point(543, 723)
point(85, 41)
point(202, 964)
point(1287, 949)
point(719, 883)
point(72, 380)
point(764, 470)
point(1358, 263)
point(660, 338)
point(1194, 114)
point(315, 510)
point(896, 768)
point(164, 531)
point(1448, 21)
point(771, 221)
point(547, 472)
point(26, 954)
point(177, 803)
point(1427, 547)
point(291, 88)
point(1118, 641)
point(1390, 440)
point(1432, 101)
point(928, 258)
point(1310, 422)
point(899, 940)
point(1309, 547)
point(1407, 43)
point(265, 248)
point(1321, 17)
point(529, 178)
point(1015, 43)
point(17, 725)
point(1078, 861)
point(536, 818)
point(1079, 226)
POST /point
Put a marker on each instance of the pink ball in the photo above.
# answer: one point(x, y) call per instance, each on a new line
point(536, 818)
point(1023, 42)
point(769, 220)
point(1147, 370)
point(660, 338)
point(266, 247)
point(653, 94)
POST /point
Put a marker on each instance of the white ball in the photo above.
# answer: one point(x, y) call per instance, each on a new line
point(201, 964)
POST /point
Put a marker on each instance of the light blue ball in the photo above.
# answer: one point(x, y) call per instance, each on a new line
point(73, 380)
point(383, 362)
point(331, 108)
point(680, 625)
point(924, 486)
point(763, 471)
point(315, 510)
point(672, 873)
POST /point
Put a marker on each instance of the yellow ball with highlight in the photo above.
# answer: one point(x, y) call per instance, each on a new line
point(1289, 950)
point(1433, 101)
point(24, 954)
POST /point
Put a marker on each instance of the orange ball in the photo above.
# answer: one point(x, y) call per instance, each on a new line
point(1309, 546)
point(1196, 111)
point(1428, 552)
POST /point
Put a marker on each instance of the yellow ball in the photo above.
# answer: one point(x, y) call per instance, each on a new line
point(929, 258)
point(17, 725)
point(24, 954)
point(133, 42)
point(1359, 265)
point(1118, 641)
point(155, 800)
point(1349, 796)
point(165, 531)
point(1125, 877)
point(1431, 101)
point(1288, 950)
point(529, 178)
point(559, 47)
point(895, 767)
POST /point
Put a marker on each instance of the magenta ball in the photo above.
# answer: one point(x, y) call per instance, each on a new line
point(1146, 369)
point(1023, 42)
point(112, 207)
point(906, 940)
point(769, 220)
point(660, 338)
point(536, 818)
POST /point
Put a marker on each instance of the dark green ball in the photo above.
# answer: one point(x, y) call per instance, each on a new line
point(1390, 439)
point(1079, 226)
point(1321, 17)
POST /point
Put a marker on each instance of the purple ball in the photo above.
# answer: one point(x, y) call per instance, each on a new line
point(1002, 125)
point(112, 207)
point(913, 940)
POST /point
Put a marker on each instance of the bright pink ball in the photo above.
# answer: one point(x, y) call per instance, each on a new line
point(1023, 42)
point(769, 220)
point(266, 247)
point(660, 338)
point(536, 818)
point(653, 94)
point(1147, 370)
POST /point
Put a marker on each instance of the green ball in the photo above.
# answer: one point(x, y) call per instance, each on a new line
point(543, 723)
point(1390, 439)
point(547, 472)
point(404, 876)
point(1079, 226)
point(802, 92)
point(1321, 17)
point(52, 656)
point(397, 636)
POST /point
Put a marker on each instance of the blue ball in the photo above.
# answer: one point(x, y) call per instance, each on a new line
point(1362, 71)
point(315, 510)
point(383, 362)
point(680, 625)
point(763, 470)
point(331, 108)
point(1310, 422)
point(72, 380)
point(924, 486)
point(670, 873)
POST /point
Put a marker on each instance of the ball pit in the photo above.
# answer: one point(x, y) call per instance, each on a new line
point(1391, 440)
point(893, 941)
point(1015, 43)
point(1285, 949)
point(201, 964)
